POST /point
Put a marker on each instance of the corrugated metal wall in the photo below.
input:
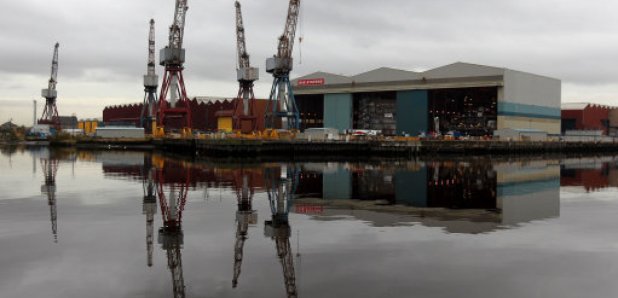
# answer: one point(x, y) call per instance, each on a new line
point(412, 111)
point(338, 111)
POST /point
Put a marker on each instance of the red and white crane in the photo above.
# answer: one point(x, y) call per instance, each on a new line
point(244, 119)
point(50, 112)
point(173, 58)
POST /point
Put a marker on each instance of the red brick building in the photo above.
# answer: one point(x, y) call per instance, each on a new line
point(203, 113)
point(585, 116)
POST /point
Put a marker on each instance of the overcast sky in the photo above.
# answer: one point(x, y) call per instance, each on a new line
point(103, 44)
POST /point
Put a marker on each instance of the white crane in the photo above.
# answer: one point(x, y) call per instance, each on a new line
point(246, 76)
point(50, 112)
point(151, 82)
point(281, 101)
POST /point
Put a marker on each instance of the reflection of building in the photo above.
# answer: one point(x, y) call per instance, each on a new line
point(590, 173)
point(469, 197)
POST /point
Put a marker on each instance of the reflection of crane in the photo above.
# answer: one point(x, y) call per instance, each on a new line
point(246, 75)
point(281, 101)
point(50, 112)
point(244, 217)
point(281, 190)
point(171, 236)
point(150, 85)
point(173, 58)
point(50, 168)
point(149, 206)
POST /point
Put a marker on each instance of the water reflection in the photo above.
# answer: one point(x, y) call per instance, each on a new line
point(49, 162)
point(590, 173)
point(473, 196)
point(50, 169)
point(173, 179)
point(245, 183)
point(425, 199)
point(281, 183)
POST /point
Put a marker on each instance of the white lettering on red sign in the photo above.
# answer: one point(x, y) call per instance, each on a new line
point(311, 82)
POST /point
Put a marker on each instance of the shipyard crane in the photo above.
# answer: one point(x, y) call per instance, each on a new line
point(50, 112)
point(281, 102)
point(280, 191)
point(149, 207)
point(244, 119)
point(245, 216)
point(50, 168)
point(173, 58)
point(151, 82)
point(171, 235)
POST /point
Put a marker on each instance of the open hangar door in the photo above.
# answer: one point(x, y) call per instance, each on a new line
point(375, 111)
point(311, 109)
point(470, 111)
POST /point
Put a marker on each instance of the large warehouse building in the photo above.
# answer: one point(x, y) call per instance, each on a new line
point(472, 99)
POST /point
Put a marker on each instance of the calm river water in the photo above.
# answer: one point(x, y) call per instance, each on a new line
point(127, 224)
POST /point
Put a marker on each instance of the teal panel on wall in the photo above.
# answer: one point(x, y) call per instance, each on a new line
point(338, 111)
point(524, 110)
point(337, 184)
point(412, 111)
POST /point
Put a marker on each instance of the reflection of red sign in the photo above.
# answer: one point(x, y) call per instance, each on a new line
point(309, 209)
point(311, 82)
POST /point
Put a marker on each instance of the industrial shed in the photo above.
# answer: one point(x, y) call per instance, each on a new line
point(473, 99)
point(583, 116)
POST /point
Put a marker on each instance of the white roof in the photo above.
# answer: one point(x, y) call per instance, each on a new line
point(574, 105)
point(386, 74)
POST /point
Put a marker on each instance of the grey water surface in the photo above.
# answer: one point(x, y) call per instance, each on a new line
point(132, 224)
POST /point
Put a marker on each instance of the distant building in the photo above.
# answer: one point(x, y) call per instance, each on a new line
point(205, 114)
point(68, 122)
point(472, 99)
point(586, 116)
point(8, 130)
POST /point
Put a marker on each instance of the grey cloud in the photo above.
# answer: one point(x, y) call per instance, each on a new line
point(105, 42)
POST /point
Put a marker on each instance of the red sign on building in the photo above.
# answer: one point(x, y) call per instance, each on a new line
point(311, 82)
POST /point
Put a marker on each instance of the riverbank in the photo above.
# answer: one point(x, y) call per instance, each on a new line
point(290, 149)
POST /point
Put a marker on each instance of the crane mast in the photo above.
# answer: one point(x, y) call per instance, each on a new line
point(245, 216)
point(151, 82)
point(281, 101)
point(149, 208)
point(50, 168)
point(171, 236)
point(244, 118)
point(50, 112)
point(280, 194)
point(173, 58)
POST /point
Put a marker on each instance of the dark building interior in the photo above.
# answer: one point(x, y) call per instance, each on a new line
point(471, 111)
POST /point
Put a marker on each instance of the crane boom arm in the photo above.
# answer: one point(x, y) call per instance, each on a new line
point(286, 41)
point(177, 29)
point(151, 49)
point(243, 56)
point(54, 69)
